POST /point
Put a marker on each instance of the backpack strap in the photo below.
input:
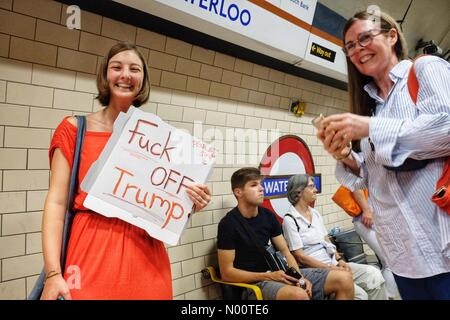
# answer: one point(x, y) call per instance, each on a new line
point(296, 223)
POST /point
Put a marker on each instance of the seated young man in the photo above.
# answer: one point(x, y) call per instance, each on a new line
point(308, 241)
point(240, 260)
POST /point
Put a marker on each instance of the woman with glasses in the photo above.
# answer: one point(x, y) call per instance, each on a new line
point(403, 149)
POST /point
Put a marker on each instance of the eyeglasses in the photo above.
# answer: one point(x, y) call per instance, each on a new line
point(364, 39)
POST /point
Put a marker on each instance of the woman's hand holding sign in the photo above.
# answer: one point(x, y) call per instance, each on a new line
point(199, 194)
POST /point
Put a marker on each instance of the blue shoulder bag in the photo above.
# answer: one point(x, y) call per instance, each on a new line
point(68, 219)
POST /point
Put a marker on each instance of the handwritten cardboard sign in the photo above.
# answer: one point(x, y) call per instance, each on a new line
point(142, 174)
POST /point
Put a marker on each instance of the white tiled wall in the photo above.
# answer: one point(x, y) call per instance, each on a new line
point(48, 72)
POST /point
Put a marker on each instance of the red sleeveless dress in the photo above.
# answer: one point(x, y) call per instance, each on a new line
point(108, 258)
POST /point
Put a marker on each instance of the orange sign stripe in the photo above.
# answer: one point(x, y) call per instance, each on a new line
point(327, 36)
point(298, 22)
point(282, 14)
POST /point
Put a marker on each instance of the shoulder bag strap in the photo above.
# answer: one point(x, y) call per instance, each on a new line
point(68, 219)
point(295, 220)
point(39, 285)
point(413, 83)
point(441, 196)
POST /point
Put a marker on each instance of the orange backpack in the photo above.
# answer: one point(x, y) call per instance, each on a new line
point(441, 196)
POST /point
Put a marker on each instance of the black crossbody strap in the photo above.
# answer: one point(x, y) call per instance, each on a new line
point(237, 215)
point(249, 230)
point(295, 220)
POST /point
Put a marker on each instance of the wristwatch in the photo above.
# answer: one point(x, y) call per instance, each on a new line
point(302, 283)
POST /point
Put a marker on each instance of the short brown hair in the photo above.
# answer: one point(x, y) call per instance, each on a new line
point(360, 101)
point(244, 175)
point(104, 94)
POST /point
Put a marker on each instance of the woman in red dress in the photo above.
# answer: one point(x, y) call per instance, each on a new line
point(110, 258)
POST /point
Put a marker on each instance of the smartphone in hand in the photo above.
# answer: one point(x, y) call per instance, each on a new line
point(295, 274)
point(317, 121)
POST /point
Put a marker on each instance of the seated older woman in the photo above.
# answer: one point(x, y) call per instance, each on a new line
point(308, 241)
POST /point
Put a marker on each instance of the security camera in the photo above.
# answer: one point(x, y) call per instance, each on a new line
point(432, 49)
point(429, 47)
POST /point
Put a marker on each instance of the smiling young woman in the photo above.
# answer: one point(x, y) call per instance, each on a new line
point(113, 259)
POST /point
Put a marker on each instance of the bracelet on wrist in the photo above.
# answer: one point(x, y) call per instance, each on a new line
point(51, 274)
point(344, 157)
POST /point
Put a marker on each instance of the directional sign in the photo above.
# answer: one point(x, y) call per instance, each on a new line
point(322, 52)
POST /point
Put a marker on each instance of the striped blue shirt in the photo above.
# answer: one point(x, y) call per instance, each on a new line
point(413, 232)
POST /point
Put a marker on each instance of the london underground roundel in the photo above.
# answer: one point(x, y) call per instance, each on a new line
point(287, 156)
